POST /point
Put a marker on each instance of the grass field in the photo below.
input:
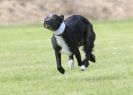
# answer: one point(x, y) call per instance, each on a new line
point(27, 63)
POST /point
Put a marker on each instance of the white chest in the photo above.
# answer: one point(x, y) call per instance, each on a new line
point(63, 45)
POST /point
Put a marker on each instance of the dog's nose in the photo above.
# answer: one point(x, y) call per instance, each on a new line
point(46, 24)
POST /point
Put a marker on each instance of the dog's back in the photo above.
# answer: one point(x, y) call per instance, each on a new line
point(76, 19)
point(79, 27)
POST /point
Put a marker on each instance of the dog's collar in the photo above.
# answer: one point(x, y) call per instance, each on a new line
point(60, 30)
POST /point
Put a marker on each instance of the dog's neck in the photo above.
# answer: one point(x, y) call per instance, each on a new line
point(60, 30)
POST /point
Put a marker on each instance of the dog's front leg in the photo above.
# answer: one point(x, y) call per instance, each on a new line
point(58, 61)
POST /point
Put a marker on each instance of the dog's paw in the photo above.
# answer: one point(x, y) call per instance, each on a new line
point(71, 64)
point(85, 63)
point(61, 70)
point(83, 68)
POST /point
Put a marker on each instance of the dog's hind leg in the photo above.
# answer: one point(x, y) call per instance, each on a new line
point(78, 56)
point(71, 62)
point(88, 55)
point(85, 62)
point(92, 56)
point(88, 48)
point(93, 37)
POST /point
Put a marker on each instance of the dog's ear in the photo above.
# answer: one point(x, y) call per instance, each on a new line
point(62, 17)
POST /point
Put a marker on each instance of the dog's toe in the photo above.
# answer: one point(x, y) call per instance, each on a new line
point(71, 64)
point(83, 68)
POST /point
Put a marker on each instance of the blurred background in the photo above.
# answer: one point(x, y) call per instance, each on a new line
point(12, 11)
point(27, 60)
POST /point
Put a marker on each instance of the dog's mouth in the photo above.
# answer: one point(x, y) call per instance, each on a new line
point(47, 25)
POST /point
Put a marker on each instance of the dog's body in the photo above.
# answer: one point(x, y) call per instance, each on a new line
point(71, 33)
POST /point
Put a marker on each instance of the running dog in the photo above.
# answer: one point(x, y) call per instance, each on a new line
point(68, 35)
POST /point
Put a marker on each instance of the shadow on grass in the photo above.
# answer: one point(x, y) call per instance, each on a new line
point(104, 78)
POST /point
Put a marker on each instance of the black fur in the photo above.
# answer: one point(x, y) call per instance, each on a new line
point(78, 32)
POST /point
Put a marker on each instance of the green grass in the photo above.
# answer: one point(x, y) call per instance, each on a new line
point(27, 62)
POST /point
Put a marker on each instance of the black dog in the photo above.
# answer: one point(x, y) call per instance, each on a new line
point(68, 35)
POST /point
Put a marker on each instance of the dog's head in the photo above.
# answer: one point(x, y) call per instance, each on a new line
point(53, 22)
